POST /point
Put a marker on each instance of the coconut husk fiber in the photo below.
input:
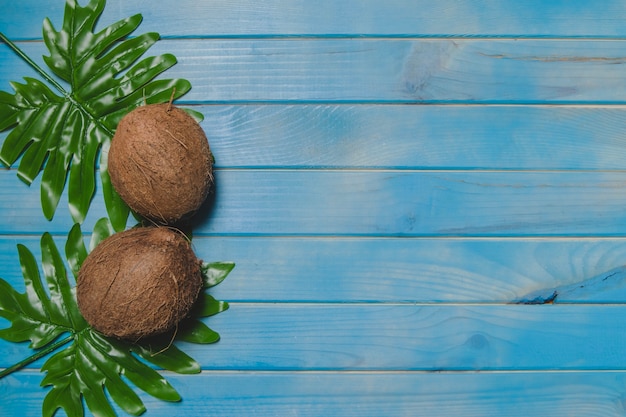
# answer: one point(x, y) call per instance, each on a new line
point(160, 163)
point(139, 283)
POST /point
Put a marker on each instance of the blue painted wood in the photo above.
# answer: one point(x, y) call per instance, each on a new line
point(509, 18)
point(377, 240)
point(391, 270)
point(391, 70)
point(369, 394)
point(608, 287)
point(416, 137)
point(422, 137)
point(378, 203)
point(402, 337)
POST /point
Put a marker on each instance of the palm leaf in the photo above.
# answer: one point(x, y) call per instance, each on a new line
point(86, 367)
point(36, 316)
point(60, 132)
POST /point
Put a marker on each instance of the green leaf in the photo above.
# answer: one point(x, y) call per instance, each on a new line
point(167, 356)
point(198, 117)
point(36, 316)
point(116, 207)
point(144, 377)
point(215, 272)
point(93, 363)
point(101, 231)
point(62, 134)
point(75, 250)
point(207, 306)
point(195, 331)
point(125, 397)
point(63, 307)
point(88, 368)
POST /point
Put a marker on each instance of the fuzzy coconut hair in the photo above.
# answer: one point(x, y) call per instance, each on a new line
point(139, 283)
point(160, 163)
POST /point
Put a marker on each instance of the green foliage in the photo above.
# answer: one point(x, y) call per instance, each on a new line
point(36, 316)
point(90, 366)
point(62, 133)
point(58, 128)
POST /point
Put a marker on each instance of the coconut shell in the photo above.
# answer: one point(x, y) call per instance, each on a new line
point(139, 283)
point(160, 163)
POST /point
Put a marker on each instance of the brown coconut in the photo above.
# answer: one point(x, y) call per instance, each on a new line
point(139, 283)
point(160, 163)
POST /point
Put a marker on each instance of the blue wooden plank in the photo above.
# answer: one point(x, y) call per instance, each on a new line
point(381, 242)
point(389, 70)
point(294, 269)
point(403, 70)
point(607, 287)
point(21, 204)
point(403, 337)
point(392, 203)
point(417, 137)
point(24, 20)
point(377, 203)
point(345, 18)
point(366, 394)
point(408, 337)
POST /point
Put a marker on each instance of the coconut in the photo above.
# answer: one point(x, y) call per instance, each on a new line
point(160, 163)
point(139, 283)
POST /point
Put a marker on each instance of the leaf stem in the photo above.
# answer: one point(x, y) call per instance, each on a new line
point(37, 355)
point(33, 64)
point(53, 82)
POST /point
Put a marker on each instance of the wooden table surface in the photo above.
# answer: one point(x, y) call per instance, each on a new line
point(392, 177)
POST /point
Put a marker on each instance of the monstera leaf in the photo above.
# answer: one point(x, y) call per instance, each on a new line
point(86, 365)
point(61, 127)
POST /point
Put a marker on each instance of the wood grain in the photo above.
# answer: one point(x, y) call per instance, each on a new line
point(403, 337)
point(389, 70)
point(400, 203)
point(389, 270)
point(378, 203)
point(417, 137)
point(392, 178)
point(368, 394)
point(511, 18)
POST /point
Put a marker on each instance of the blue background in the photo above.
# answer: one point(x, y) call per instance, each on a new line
point(393, 178)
